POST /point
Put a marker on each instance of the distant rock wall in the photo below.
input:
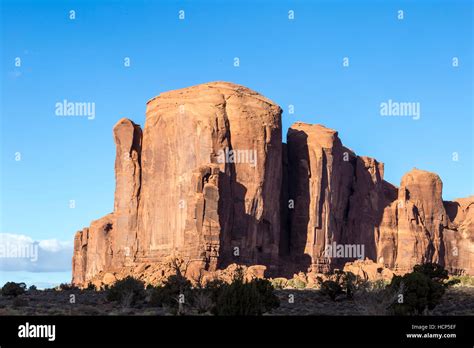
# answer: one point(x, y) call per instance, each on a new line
point(209, 180)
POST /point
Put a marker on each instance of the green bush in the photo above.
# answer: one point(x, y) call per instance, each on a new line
point(126, 291)
point(421, 289)
point(13, 289)
point(245, 298)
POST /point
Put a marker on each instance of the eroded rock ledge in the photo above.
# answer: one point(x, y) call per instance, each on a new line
point(210, 181)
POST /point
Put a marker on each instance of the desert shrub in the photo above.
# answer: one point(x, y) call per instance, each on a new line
point(175, 293)
point(463, 280)
point(245, 298)
point(331, 288)
point(13, 289)
point(32, 288)
point(66, 286)
point(90, 286)
point(422, 289)
point(279, 283)
point(349, 283)
point(296, 283)
point(127, 291)
point(432, 271)
point(214, 288)
point(341, 282)
point(156, 296)
point(202, 301)
point(267, 295)
point(375, 299)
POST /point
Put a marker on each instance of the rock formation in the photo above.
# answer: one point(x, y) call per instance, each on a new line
point(203, 182)
point(210, 181)
point(458, 238)
point(339, 197)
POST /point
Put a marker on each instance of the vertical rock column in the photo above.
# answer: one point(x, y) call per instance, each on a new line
point(421, 219)
point(128, 142)
point(320, 179)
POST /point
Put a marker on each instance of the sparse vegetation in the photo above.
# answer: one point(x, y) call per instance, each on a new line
point(13, 289)
point(427, 290)
point(90, 286)
point(174, 294)
point(66, 286)
point(340, 283)
point(203, 301)
point(463, 280)
point(331, 288)
point(279, 283)
point(245, 298)
point(422, 289)
point(375, 298)
point(126, 291)
point(296, 283)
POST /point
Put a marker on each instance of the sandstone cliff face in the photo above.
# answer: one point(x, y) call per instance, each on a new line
point(109, 241)
point(421, 218)
point(210, 180)
point(211, 163)
point(339, 199)
point(319, 183)
point(458, 238)
point(203, 182)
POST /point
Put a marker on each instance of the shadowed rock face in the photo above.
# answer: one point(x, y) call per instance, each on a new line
point(458, 237)
point(319, 183)
point(210, 180)
point(339, 198)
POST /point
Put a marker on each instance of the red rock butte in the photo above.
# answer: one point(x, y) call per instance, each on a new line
point(175, 195)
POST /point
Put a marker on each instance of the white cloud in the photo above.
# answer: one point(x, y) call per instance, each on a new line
point(19, 252)
point(54, 245)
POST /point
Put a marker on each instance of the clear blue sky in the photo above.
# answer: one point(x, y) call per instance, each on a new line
point(295, 62)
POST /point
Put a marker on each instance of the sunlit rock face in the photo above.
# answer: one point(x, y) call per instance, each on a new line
point(209, 180)
point(203, 182)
